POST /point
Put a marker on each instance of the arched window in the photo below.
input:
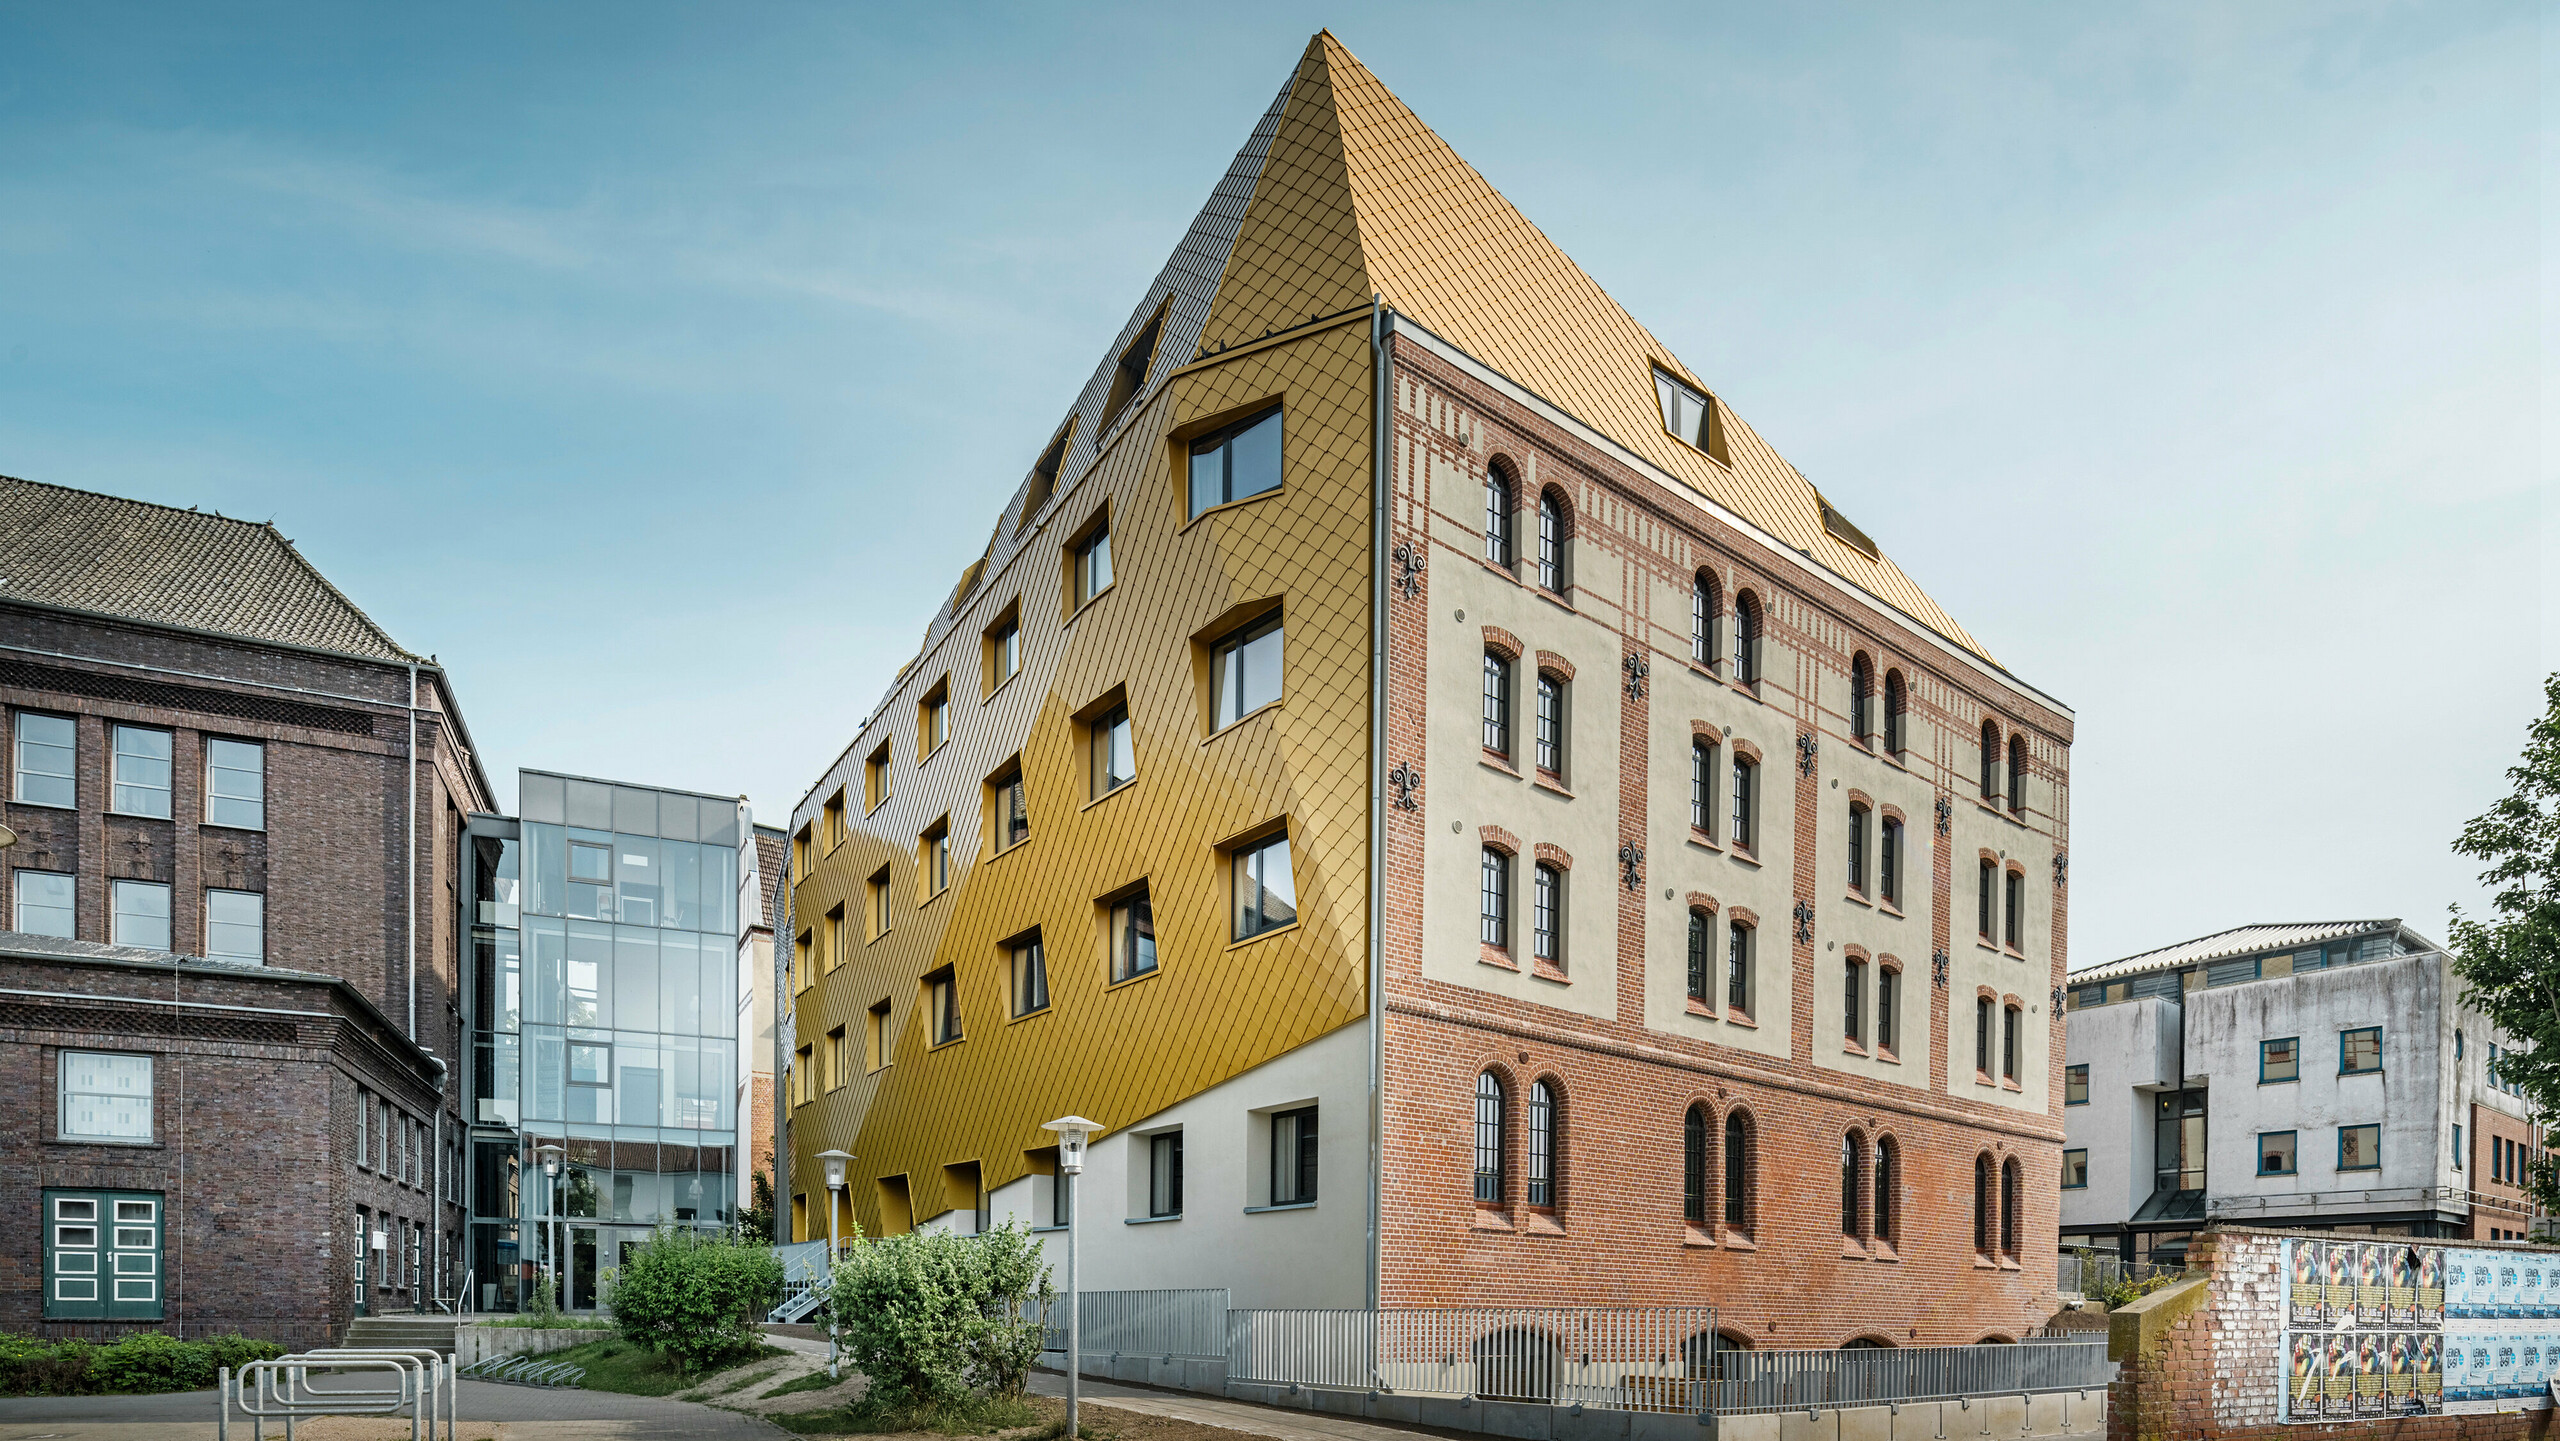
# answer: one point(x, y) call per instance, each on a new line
point(1897, 701)
point(1866, 1343)
point(1693, 1165)
point(1550, 724)
point(1702, 957)
point(1546, 916)
point(1497, 703)
point(1496, 909)
point(1542, 1145)
point(1704, 607)
point(1862, 687)
point(1737, 1172)
point(1702, 786)
point(1489, 1139)
point(1553, 537)
point(1746, 639)
point(2017, 775)
point(1888, 1179)
point(1981, 1203)
point(1991, 760)
point(1858, 816)
point(1849, 1185)
point(2009, 1193)
point(1497, 517)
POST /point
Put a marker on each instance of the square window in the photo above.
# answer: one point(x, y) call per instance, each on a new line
point(235, 926)
point(2360, 1051)
point(45, 903)
point(1246, 669)
point(106, 1096)
point(1266, 896)
point(591, 862)
point(1133, 936)
point(1236, 462)
point(142, 772)
point(2360, 1148)
point(590, 1063)
point(2279, 1060)
point(235, 784)
point(2275, 1153)
point(47, 747)
point(141, 915)
point(2075, 1170)
point(2075, 1085)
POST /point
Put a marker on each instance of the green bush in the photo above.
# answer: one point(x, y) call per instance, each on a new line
point(138, 1363)
point(694, 1297)
point(936, 1321)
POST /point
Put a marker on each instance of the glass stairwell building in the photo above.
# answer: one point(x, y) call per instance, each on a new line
point(600, 993)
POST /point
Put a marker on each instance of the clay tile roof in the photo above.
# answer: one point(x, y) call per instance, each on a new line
point(164, 566)
point(2240, 941)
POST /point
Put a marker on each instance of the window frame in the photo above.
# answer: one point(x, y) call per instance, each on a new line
point(1237, 646)
point(1492, 1138)
point(1889, 862)
point(1004, 648)
point(1542, 1185)
point(2293, 1145)
point(1746, 641)
point(1547, 916)
point(1702, 956)
point(1741, 970)
point(1221, 442)
point(1090, 573)
point(212, 793)
point(1555, 543)
point(2013, 1044)
point(1027, 959)
point(1295, 1153)
point(1888, 1016)
point(1497, 704)
point(1164, 1175)
point(1494, 900)
point(1548, 735)
point(63, 1093)
point(2295, 1061)
point(2075, 1076)
point(2373, 1126)
point(208, 923)
point(116, 912)
point(1137, 902)
point(2345, 1037)
point(942, 1013)
point(167, 789)
point(1501, 517)
point(18, 903)
point(19, 742)
point(1743, 834)
point(1102, 750)
point(2083, 1183)
point(1242, 857)
point(1702, 786)
point(1859, 814)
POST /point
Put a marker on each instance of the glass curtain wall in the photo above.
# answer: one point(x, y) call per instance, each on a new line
point(604, 951)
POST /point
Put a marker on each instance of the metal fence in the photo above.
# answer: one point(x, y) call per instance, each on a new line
point(1175, 1324)
point(1748, 1381)
point(2086, 1273)
point(1615, 1358)
point(1665, 1359)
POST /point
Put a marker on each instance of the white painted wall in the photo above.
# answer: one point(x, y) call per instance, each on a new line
point(2130, 1049)
point(1310, 1256)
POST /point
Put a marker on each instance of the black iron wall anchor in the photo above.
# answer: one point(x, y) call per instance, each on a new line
point(2057, 1000)
point(1804, 923)
point(1938, 968)
point(1806, 749)
point(1410, 563)
point(1946, 814)
point(1407, 784)
point(1631, 866)
point(2061, 866)
point(1637, 668)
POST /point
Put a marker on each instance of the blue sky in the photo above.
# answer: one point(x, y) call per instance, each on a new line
point(659, 367)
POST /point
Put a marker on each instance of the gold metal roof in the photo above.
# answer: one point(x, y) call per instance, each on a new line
point(1357, 195)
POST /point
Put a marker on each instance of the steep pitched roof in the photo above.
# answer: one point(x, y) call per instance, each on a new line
point(163, 566)
point(1356, 195)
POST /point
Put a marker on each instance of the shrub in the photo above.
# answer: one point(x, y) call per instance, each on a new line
point(141, 1362)
point(936, 1320)
point(694, 1297)
point(30, 1366)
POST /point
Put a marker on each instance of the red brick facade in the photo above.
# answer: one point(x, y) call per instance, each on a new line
point(1616, 1233)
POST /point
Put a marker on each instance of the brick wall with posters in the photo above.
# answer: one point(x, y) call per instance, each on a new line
point(1623, 1072)
point(251, 1146)
point(330, 861)
point(2216, 1371)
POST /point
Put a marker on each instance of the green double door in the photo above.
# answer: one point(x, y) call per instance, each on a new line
point(102, 1255)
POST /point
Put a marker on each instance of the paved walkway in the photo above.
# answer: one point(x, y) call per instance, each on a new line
point(1215, 1411)
point(487, 1411)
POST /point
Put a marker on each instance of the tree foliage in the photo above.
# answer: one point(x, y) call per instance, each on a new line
point(941, 1321)
point(2509, 963)
point(755, 1221)
point(694, 1296)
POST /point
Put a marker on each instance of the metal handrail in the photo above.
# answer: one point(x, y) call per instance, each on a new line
point(423, 1385)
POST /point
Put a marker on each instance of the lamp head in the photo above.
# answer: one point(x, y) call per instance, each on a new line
point(1073, 1132)
point(835, 1168)
point(551, 1158)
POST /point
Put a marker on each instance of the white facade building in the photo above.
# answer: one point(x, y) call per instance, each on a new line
point(2322, 1076)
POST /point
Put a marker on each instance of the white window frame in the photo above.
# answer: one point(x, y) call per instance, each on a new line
point(18, 901)
point(19, 770)
point(127, 1063)
point(211, 954)
point(117, 784)
point(215, 746)
point(116, 913)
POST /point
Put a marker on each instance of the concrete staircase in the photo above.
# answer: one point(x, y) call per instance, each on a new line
point(403, 1331)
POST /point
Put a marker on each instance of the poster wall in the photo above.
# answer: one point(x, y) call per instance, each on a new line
point(2392, 1328)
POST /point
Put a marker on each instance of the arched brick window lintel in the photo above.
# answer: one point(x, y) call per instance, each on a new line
point(1745, 749)
point(1988, 854)
point(1503, 643)
point(1553, 664)
point(1892, 812)
point(1855, 952)
point(1861, 799)
point(1499, 839)
point(2013, 1003)
point(1701, 901)
point(1890, 963)
point(1707, 731)
point(1986, 993)
point(1555, 855)
point(2016, 868)
point(1744, 916)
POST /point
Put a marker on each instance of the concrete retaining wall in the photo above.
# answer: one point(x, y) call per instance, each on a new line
point(478, 1341)
point(2060, 1413)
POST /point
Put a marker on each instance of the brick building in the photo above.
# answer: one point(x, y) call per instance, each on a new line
point(230, 947)
point(1470, 820)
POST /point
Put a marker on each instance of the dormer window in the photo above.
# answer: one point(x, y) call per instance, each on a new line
point(1130, 376)
point(1689, 415)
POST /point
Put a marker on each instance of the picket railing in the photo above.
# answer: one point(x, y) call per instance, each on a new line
point(1749, 1381)
point(1188, 1324)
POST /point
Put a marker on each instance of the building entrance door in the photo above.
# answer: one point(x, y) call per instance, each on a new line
point(364, 1238)
point(582, 1268)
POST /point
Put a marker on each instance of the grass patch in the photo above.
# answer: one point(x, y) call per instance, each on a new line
point(632, 1369)
point(976, 1418)
point(814, 1381)
point(743, 1382)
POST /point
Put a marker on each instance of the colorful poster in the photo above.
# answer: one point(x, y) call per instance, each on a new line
point(2340, 1383)
point(2400, 1287)
point(2426, 1371)
point(2502, 1365)
point(2371, 1366)
point(2306, 1294)
point(2306, 1394)
point(2431, 1291)
point(2372, 1294)
point(2506, 1296)
point(2532, 1300)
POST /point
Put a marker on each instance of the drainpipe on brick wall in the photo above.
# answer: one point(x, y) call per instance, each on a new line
point(409, 889)
point(1378, 364)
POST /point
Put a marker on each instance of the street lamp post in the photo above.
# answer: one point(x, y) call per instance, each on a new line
point(551, 1158)
point(1073, 1132)
point(835, 1191)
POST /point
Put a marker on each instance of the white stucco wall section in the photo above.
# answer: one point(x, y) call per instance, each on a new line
point(2130, 1049)
point(1854, 918)
point(1972, 964)
point(1303, 1256)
